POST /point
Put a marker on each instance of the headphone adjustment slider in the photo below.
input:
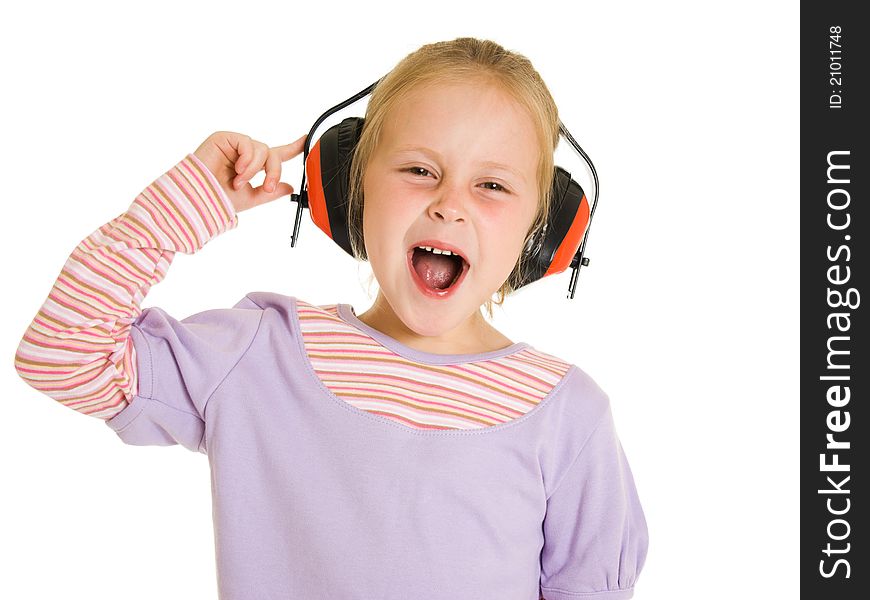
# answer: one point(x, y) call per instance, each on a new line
point(301, 201)
point(575, 270)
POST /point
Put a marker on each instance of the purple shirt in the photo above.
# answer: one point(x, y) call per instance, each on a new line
point(316, 498)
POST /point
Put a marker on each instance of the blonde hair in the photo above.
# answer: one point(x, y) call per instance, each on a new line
point(460, 60)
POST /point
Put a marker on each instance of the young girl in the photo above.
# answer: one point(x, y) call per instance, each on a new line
point(411, 451)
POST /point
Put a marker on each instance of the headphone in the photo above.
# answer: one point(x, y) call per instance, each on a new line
point(558, 244)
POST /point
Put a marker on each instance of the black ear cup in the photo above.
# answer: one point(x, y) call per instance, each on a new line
point(552, 247)
point(568, 220)
point(328, 194)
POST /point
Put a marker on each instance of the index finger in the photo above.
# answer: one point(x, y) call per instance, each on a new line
point(288, 151)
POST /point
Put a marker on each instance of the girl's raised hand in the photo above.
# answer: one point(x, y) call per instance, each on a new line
point(234, 158)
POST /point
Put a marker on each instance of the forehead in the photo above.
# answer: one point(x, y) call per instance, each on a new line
point(480, 122)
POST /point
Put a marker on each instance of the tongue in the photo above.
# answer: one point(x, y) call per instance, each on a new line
point(436, 270)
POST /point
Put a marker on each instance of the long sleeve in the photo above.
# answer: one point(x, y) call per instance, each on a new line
point(595, 532)
point(78, 348)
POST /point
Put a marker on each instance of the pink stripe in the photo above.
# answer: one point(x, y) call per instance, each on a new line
point(222, 204)
point(111, 300)
point(444, 390)
point(544, 385)
point(118, 272)
point(57, 346)
point(112, 277)
point(375, 352)
point(121, 276)
point(72, 306)
point(212, 226)
point(144, 233)
point(528, 379)
point(71, 284)
point(52, 345)
point(454, 409)
point(71, 383)
point(50, 327)
point(360, 363)
point(491, 380)
point(554, 364)
point(60, 296)
point(26, 369)
point(118, 232)
point(168, 214)
point(160, 223)
point(200, 227)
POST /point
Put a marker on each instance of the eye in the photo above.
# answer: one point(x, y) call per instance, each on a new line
point(499, 187)
point(423, 172)
point(416, 170)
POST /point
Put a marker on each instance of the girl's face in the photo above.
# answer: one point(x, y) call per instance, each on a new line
point(456, 163)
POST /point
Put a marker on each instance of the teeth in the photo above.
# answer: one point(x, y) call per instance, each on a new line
point(436, 250)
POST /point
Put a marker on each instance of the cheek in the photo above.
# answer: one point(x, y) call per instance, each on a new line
point(385, 223)
point(392, 208)
point(382, 213)
point(375, 226)
point(504, 233)
point(503, 225)
point(374, 210)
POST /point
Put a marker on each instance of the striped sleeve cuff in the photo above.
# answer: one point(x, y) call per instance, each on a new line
point(181, 210)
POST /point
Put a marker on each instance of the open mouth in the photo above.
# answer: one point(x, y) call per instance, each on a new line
point(435, 273)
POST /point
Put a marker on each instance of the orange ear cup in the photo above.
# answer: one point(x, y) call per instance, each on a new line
point(316, 195)
point(566, 250)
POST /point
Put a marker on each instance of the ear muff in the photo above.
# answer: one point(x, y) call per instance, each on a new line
point(550, 251)
point(328, 169)
point(553, 247)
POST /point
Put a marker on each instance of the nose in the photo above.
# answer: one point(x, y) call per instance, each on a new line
point(449, 204)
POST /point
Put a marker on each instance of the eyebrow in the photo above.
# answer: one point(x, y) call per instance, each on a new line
point(433, 153)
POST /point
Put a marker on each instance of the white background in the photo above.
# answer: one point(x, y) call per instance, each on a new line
point(687, 315)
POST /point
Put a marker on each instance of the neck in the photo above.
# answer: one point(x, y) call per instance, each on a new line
point(472, 336)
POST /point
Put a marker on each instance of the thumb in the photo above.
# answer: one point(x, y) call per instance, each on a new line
point(261, 196)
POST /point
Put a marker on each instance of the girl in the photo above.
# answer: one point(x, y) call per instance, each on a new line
point(411, 451)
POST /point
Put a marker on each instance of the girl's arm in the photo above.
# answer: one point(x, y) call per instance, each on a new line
point(595, 530)
point(77, 349)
